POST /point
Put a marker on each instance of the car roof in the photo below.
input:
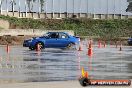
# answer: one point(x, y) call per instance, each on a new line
point(56, 32)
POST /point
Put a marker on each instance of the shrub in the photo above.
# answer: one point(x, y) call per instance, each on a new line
point(106, 29)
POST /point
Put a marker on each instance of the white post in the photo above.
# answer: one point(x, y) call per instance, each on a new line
point(26, 7)
point(60, 8)
point(13, 6)
point(87, 8)
point(52, 8)
point(121, 8)
point(1, 6)
point(19, 8)
point(39, 6)
point(107, 9)
point(32, 6)
point(114, 9)
point(126, 14)
point(32, 9)
point(80, 5)
point(100, 8)
point(93, 9)
point(46, 8)
point(73, 6)
point(6, 6)
point(66, 9)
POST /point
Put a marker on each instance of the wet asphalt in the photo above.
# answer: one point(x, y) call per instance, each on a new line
point(50, 64)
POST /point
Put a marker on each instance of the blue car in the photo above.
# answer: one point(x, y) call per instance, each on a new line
point(52, 40)
point(129, 41)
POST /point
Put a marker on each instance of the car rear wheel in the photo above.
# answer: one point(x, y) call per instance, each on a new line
point(31, 48)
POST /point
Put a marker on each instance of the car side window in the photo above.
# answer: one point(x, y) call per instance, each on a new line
point(63, 35)
point(54, 35)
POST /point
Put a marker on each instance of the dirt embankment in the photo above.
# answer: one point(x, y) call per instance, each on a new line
point(18, 40)
point(13, 40)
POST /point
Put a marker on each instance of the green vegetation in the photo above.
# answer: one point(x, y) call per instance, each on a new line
point(106, 29)
point(1, 28)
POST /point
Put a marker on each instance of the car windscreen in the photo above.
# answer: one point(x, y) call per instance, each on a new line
point(46, 34)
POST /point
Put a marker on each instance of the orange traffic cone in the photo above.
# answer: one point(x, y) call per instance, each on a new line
point(90, 50)
point(80, 47)
point(7, 48)
point(86, 74)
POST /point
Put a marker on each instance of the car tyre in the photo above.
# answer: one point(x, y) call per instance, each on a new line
point(40, 44)
point(70, 46)
point(31, 48)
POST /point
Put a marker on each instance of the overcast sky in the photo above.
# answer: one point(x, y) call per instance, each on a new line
point(94, 6)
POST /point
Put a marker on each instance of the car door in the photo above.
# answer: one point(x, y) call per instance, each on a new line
point(52, 40)
point(63, 40)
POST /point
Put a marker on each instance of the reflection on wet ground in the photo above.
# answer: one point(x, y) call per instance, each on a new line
point(24, 65)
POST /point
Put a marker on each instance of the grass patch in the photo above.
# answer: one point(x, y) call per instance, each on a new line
point(105, 29)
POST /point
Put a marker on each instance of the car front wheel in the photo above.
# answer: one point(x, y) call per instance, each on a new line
point(70, 46)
